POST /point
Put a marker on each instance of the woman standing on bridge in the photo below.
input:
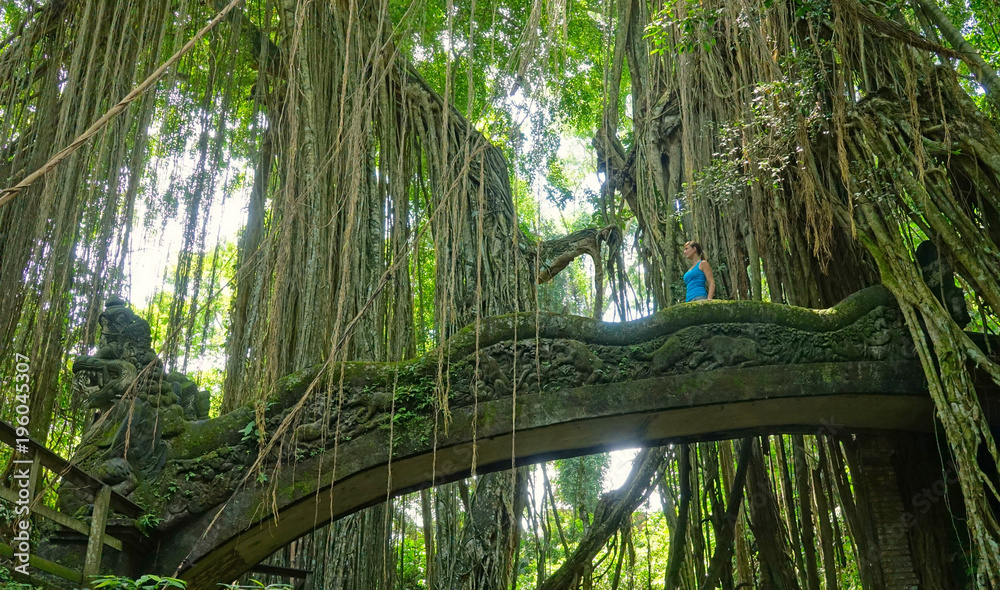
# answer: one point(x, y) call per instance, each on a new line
point(699, 279)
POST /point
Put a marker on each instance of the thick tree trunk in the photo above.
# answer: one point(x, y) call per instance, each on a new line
point(825, 530)
point(492, 534)
point(679, 533)
point(724, 543)
point(929, 491)
point(802, 484)
point(768, 528)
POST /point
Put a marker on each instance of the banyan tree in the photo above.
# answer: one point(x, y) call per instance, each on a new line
point(384, 161)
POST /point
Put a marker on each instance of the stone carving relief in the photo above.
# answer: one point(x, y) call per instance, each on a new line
point(534, 365)
point(180, 465)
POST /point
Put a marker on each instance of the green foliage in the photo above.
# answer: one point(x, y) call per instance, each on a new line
point(525, 206)
point(648, 537)
point(7, 515)
point(257, 584)
point(146, 582)
point(579, 481)
point(983, 320)
point(579, 86)
point(251, 432)
point(201, 354)
point(979, 22)
point(7, 581)
point(12, 15)
point(411, 403)
point(147, 522)
point(558, 191)
point(814, 9)
point(411, 574)
point(692, 22)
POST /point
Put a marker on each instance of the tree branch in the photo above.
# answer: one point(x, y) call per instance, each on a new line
point(961, 49)
point(724, 547)
point(555, 255)
point(986, 75)
point(612, 509)
point(891, 28)
point(679, 535)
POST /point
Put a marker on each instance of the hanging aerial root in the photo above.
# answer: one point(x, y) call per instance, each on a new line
point(8, 194)
point(613, 508)
point(945, 367)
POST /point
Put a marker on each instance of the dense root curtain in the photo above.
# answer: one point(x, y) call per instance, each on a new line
point(816, 147)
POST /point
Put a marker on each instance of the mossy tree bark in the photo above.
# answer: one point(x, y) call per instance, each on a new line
point(776, 564)
point(838, 147)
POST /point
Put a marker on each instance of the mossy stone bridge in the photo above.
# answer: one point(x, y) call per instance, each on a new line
point(531, 387)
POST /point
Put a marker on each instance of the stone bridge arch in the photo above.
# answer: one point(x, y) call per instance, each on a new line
point(531, 387)
point(813, 398)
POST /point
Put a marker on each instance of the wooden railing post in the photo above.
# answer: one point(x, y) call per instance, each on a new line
point(95, 543)
point(34, 475)
point(105, 499)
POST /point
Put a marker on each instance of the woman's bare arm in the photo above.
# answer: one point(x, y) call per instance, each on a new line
point(709, 278)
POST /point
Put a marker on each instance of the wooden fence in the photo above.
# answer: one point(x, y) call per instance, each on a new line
point(105, 500)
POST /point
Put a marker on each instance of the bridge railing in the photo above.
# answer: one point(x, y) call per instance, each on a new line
point(105, 500)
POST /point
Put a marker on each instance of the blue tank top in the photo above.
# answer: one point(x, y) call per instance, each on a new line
point(695, 279)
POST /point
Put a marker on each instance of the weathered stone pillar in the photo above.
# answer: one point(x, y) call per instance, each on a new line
point(900, 488)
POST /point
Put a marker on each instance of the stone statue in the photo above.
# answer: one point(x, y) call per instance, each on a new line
point(136, 407)
point(940, 277)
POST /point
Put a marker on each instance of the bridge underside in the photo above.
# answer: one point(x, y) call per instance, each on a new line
point(818, 398)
